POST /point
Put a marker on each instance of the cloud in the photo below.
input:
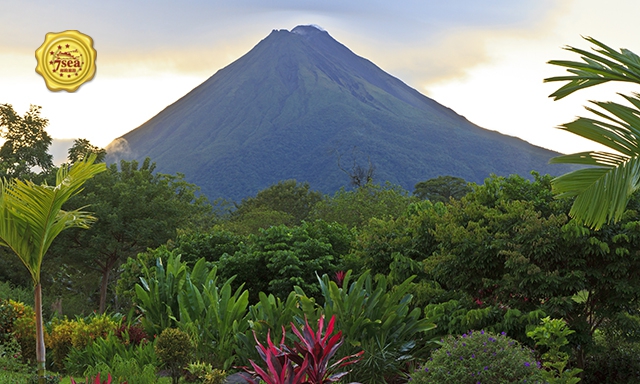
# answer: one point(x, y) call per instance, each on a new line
point(117, 150)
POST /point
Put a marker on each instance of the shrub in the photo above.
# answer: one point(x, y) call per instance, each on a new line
point(479, 357)
point(91, 328)
point(24, 328)
point(216, 376)
point(174, 349)
point(195, 372)
point(60, 341)
point(308, 361)
point(7, 318)
point(49, 378)
point(125, 370)
point(11, 357)
point(377, 318)
point(131, 334)
point(614, 361)
point(552, 333)
point(104, 351)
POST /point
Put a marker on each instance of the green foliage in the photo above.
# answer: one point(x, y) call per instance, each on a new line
point(104, 351)
point(192, 300)
point(397, 246)
point(16, 293)
point(269, 316)
point(288, 197)
point(376, 318)
point(216, 376)
point(24, 330)
point(11, 358)
point(355, 208)
point(552, 334)
point(82, 148)
point(614, 361)
point(175, 349)
point(26, 143)
point(49, 378)
point(210, 245)
point(454, 317)
point(7, 317)
point(442, 188)
point(136, 209)
point(157, 296)
point(124, 370)
point(213, 315)
point(282, 257)
point(479, 356)
point(510, 244)
point(195, 372)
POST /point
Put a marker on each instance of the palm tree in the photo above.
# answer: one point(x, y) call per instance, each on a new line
point(31, 216)
point(602, 190)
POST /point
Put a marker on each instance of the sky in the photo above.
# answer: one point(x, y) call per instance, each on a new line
point(484, 59)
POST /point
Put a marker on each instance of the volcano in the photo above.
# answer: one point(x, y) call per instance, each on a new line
point(300, 105)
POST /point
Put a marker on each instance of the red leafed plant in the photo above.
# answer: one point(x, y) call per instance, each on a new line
point(308, 361)
point(97, 380)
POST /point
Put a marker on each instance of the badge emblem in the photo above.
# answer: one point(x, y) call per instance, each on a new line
point(66, 60)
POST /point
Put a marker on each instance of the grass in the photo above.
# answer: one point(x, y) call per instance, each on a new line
point(7, 377)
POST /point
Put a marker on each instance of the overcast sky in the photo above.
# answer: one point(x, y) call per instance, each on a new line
point(484, 59)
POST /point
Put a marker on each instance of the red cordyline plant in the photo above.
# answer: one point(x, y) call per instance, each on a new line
point(307, 362)
point(97, 380)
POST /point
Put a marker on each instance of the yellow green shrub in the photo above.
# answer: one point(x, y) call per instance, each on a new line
point(24, 328)
point(60, 340)
point(88, 330)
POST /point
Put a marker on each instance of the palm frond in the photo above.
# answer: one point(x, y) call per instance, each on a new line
point(31, 215)
point(602, 65)
point(602, 193)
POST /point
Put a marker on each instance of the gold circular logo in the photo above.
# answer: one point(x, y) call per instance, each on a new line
point(66, 60)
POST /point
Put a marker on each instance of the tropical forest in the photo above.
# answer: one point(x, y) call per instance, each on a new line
point(117, 273)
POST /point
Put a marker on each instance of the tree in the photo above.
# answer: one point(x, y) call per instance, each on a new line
point(281, 257)
point(287, 202)
point(136, 209)
point(26, 142)
point(82, 148)
point(355, 208)
point(442, 188)
point(517, 250)
point(31, 217)
point(603, 190)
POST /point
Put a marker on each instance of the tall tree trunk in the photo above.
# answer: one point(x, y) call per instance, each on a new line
point(103, 289)
point(40, 348)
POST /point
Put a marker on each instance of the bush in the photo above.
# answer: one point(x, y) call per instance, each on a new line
point(195, 372)
point(216, 376)
point(125, 370)
point(11, 358)
point(24, 328)
point(60, 341)
point(7, 318)
point(104, 351)
point(49, 378)
point(131, 334)
point(479, 357)
point(614, 361)
point(174, 349)
point(377, 318)
point(93, 327)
